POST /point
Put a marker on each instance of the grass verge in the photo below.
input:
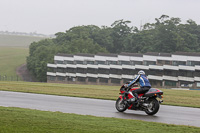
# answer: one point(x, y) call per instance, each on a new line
point(187, 98)
point(26, 120)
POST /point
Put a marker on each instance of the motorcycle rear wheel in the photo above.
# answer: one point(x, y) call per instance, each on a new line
point(153, 106)
point(120, 105)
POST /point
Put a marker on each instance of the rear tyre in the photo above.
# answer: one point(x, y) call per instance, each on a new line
point(120, 105)
point(153, 106)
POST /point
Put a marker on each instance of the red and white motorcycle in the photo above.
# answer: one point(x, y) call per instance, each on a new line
point(148, 101)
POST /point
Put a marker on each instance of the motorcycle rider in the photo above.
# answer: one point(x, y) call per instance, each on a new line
point(144, 85)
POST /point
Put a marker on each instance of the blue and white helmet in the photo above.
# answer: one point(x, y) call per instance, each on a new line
point(141, 72)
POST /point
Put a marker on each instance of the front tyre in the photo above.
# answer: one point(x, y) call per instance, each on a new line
point(153, 106)
point(120, 105)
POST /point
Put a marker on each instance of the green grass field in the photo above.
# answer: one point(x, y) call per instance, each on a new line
point(13, 53)
point(16, 40)
point(11, 58)
point(187, 98)
point(16, 120)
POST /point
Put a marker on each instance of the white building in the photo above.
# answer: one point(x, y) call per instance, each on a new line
point(179, 69)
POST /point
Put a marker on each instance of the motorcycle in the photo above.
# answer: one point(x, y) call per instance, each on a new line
point(148, 101)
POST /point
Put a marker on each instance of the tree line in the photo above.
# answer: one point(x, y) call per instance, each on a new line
point(164, 35)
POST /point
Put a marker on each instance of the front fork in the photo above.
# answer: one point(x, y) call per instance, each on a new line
point(124, 97)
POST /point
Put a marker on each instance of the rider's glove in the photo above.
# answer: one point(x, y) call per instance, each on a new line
point(125, 85)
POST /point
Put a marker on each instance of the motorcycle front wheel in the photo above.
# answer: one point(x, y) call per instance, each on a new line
point(120, 105)
point(153, 106)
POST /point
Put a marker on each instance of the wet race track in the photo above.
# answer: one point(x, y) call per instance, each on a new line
point(95, 107)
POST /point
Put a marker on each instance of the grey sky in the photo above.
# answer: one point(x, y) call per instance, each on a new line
point(52, 16)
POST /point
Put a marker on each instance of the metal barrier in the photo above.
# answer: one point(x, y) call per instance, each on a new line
point(9, 78)
point(16, 78)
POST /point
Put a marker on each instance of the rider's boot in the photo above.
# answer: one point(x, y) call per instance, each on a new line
point(137, 99)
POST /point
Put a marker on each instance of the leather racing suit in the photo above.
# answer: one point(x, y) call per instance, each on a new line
point(144, 85)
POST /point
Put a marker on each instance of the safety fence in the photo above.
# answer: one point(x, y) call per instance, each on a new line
point(15, 78)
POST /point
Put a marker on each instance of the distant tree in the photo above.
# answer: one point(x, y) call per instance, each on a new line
point(120, 33)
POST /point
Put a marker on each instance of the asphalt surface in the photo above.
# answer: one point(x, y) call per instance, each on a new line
point(95, 107)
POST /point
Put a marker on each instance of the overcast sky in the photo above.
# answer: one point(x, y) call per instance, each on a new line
point(52, 16)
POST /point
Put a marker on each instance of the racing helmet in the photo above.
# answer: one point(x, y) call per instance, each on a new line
point(141, 72)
